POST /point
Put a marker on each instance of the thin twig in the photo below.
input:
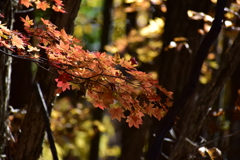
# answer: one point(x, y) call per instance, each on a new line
point(47, 124)
point(215, 139)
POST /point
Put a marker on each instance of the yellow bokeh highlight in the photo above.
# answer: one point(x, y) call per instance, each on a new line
point(154, 29)
point(78, 31)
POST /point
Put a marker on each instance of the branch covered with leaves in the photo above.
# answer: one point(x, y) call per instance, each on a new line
point(109, 81)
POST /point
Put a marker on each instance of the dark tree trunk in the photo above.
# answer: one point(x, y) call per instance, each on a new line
point(22, 77)
point(175, 64)
point(5, 81)
point(29, 144)
point(133, 141)
point(234, 145)
point(197, 116)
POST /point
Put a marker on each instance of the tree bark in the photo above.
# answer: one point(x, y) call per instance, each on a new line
point(174, 65)
point(197, 116)
point(5, 82)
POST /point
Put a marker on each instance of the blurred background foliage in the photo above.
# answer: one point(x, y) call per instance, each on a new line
point(88, 24)
point(136, 30)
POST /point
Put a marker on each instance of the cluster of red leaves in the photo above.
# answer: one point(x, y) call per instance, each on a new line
point(43, 5)
point(111, 82)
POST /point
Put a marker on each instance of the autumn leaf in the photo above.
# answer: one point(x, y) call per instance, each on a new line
point(27, 21)
point(100, 106)
point(116, 57)
point(158, 113)
point(26, 3)
point(63, 80)
point(64, 77)
point(58, 2)
point(75, 86)
point(42, 5)
point(46, 22)
point(105, 79)
point(63, 46)
point(149, 109)
point(133, 61)
point(134, 120)
point(168, 102)
point(4, 29)
point(66, 38)
point(16, 41)
point(32, 49)
point(116, 113)
point(63, 85)
point(5, 44)
point(58, 8)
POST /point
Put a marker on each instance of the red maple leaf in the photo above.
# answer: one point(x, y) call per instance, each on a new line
point(134, 120)
point(116, 113)
point(133, 61)
point(63, 85)
point(64, 77)
point(63, 81)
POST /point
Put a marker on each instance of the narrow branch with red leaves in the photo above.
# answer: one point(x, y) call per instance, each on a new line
point(109, 81)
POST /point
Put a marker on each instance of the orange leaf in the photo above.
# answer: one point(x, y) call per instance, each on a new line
point(134, 120)
point(58, 2)
point(65, 36)
point(149, 109)
point(158, 113)
point(116, 113)
point(16, 41)
point(42, 5)
point(58, 8)
point(26, 3)
point(27, 21)
point(63, 46)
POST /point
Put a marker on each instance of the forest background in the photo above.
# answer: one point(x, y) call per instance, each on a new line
point(164, 37)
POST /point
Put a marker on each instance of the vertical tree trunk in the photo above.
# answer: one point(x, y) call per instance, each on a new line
point(3, 107)
point(133, 141)
point(5, 81)
point(234, 145)
point(197, 116)
point(21, 80)
point(175, 64)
